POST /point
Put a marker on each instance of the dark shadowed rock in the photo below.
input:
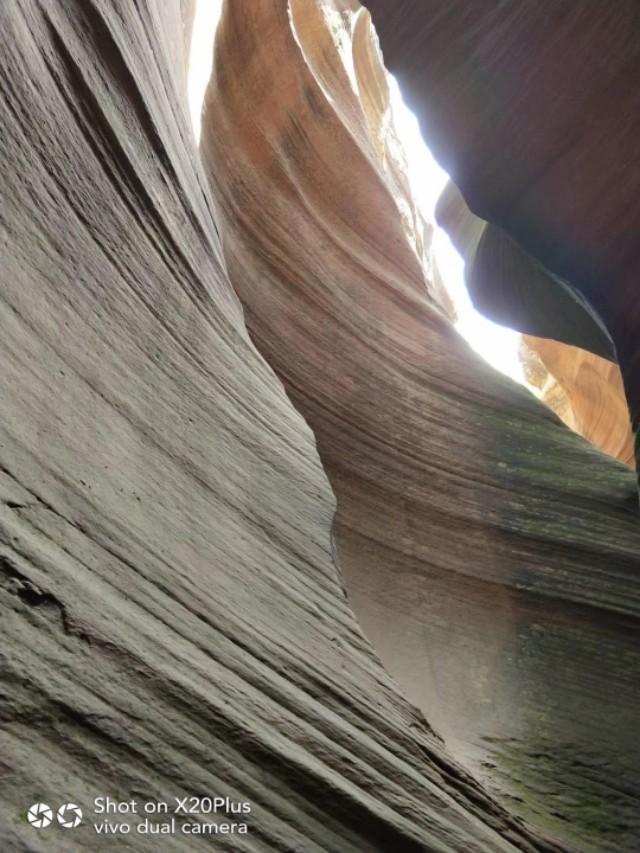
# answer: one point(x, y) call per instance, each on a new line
point(491, 555)
point(173, 620)
point(513, 288)
point(580, 379)
point(534, 109)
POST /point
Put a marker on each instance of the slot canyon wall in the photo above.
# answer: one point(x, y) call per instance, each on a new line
point(231, 388)
point(534, 110)
point(173, 620)
point(490, 554)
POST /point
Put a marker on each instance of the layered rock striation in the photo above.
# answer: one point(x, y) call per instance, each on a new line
point(171, 558)
point(534, 110)
point(584, 390)
point(173, 619)
point(490, 554)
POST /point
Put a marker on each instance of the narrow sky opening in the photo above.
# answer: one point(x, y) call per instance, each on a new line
point(496, 344)
point(201, 58)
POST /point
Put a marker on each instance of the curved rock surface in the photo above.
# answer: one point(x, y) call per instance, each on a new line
point(509, 286)
point(491, 555)
point(513, 288)
point(584, 390)
point(173, 620)
point(534, 110)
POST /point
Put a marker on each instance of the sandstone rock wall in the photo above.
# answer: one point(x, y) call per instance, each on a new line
point(584, 390)
point(490, 554)
point(173, 619)
point(171, 562)
point(534, 110)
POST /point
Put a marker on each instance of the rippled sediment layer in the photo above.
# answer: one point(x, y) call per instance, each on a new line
point(490, 554)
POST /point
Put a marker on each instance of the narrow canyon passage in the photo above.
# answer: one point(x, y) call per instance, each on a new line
point(231, 388)
point(490, 554)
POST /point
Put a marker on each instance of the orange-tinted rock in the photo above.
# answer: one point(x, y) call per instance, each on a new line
point(491, 554)
point(173, 623)
point(534, 109)
point(585, 391)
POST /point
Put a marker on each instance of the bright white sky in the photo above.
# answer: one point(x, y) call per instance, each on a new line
point(201, 59)
point(497, 344)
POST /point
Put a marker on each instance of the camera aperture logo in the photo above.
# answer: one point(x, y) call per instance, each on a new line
point(40, 815)
point(69, 815)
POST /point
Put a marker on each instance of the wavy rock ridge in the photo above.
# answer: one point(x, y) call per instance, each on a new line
point(173, 620)
point(534, 110)
point(173, 614)
point(490, 554)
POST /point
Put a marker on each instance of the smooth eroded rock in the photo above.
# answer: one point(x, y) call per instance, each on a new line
point(173, 620)
point(490, 554)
